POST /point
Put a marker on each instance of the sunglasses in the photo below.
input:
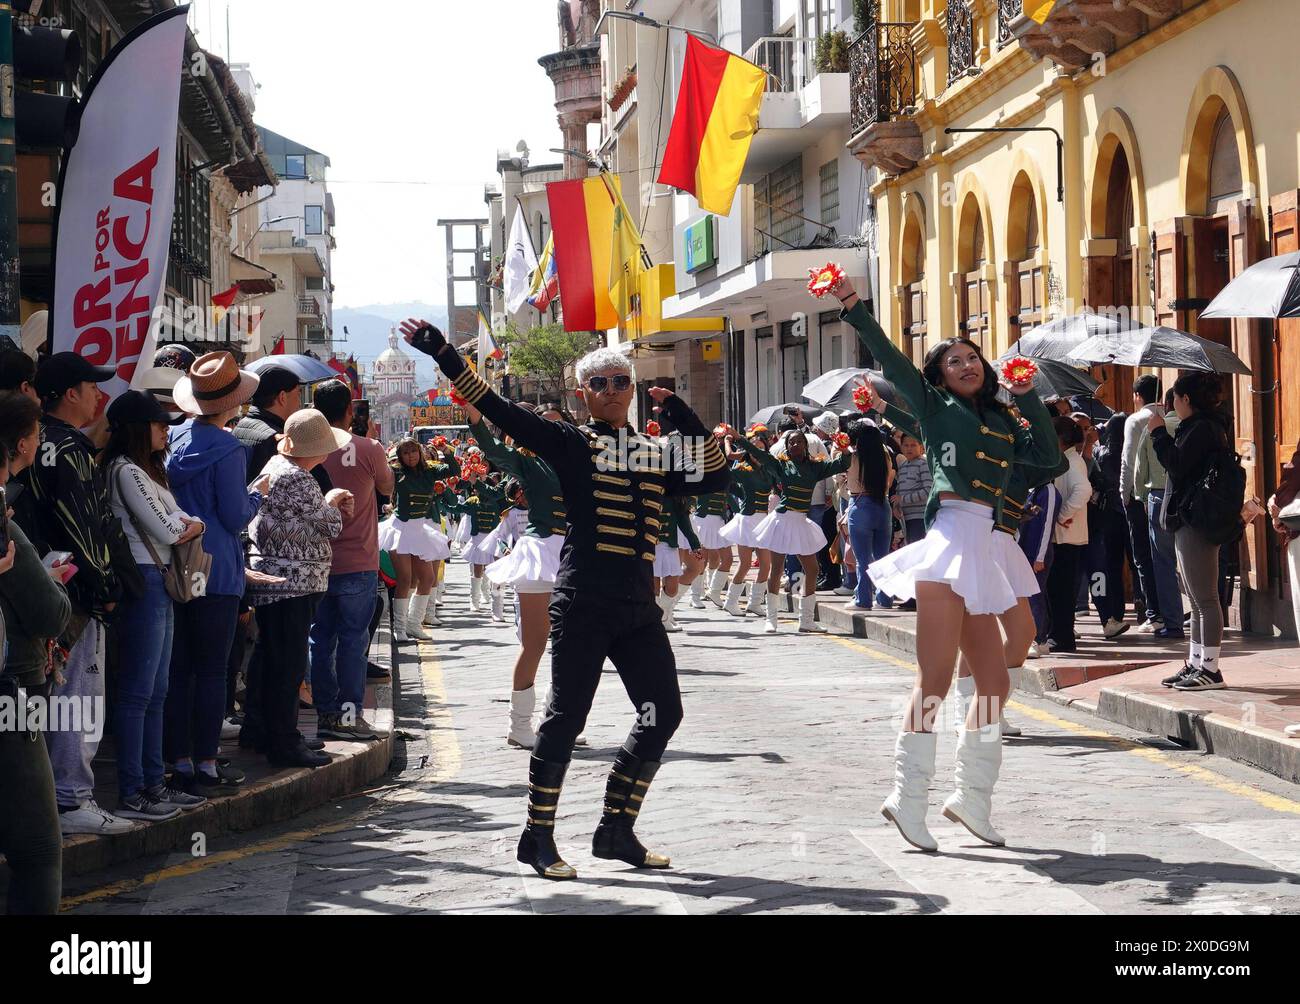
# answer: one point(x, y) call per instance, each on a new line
point(602, 384)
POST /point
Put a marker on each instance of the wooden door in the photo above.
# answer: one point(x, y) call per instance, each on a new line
point(1286, 344)
point(914, 326)
point(975, 308)
point(1103, 290)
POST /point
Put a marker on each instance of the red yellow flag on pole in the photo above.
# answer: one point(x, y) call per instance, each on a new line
point(714, 124)
point(582, 221)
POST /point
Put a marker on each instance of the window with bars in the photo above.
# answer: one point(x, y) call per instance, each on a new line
point(779, 207)
point(189, 268)
point(830, 193)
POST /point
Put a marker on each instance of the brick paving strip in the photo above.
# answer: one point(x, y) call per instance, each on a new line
point(767, 802)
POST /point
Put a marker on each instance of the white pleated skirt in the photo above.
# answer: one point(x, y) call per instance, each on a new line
point(464, 531)
point(668, 561)
point(1015, 566)
point(963, 551)
point(416, 537)
point(531, 565)
point(789, 533)
point(742, 530)
point(481, 549)
point(709, 530)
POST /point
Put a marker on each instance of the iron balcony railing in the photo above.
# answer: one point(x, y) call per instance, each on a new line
point(791, 61)
point(961, 39)
point(1008, 11)
point(883, 78)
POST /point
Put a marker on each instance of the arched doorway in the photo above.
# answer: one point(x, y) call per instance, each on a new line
point(1113, 292)
point(912, 276)
point(1024, 272)
point(973, 301)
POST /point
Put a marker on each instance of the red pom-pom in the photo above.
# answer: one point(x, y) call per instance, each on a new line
point(457, 400)
point(841, 440)
point(720, 431)
point(825, 280)
point(439, 442)
point(453, 482)
point(1020, 372)
point(439, 487)
point(652, 429)
point(864, 398)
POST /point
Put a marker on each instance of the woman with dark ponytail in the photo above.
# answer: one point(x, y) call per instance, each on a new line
point(957, 574)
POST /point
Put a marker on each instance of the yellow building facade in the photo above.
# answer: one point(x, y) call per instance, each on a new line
point(1178, 140)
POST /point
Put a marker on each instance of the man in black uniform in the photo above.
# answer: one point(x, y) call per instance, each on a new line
point(614, 483)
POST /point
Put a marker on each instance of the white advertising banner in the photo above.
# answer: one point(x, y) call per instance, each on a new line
point(114, 211)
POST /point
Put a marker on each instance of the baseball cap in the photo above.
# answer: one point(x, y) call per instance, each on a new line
point(64, 370)
point(137, 406)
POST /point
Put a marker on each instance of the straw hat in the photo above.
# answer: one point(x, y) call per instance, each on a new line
point(34, 332)
point(214, 384)
point(308, 433)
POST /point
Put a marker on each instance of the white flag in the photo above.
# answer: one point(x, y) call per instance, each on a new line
point(521, 263)
point(114, 215)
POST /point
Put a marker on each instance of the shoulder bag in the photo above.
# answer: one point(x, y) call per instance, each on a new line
point(187, 576)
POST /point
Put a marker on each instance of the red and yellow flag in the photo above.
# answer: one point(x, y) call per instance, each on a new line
point(713, 126)
point(582, 221)
point(1040, 10)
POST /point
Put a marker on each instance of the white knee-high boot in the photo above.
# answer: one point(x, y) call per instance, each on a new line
point(497, 597)
point(401, 607)
point(716, 585)
point(907, 803)
point(475, 604)
point(773, 617)
point(808, 616)
point(415, 617)
point(961, 696)
point(430, 617)
point(757, 599)
point(979, 760)
point(732, 606)
point(697, 591)
point(522, 705)
point(666, 604)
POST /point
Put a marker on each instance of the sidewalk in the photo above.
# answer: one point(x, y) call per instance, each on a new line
point(268, 794)
point(1120, 682)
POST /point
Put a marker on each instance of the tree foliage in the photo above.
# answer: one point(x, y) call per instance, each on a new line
point(545, 353)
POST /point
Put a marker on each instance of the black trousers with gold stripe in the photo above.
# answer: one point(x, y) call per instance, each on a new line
point(587, 629)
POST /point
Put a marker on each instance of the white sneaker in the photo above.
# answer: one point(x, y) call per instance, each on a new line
point(229, 730)
point(1293, 731)
point(1147, 627)
point(1036, 651)
point(843, 591)
point(90, 818)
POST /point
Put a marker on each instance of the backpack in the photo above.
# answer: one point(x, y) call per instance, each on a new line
point(1214, 503)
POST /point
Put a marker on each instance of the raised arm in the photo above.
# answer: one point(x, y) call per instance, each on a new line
point(548, 440)
point(901, 419)
point(898, 369)
point(1041, 448)
point(827, 468)
point(766, 461)
point(710, 472)
point(495, 450)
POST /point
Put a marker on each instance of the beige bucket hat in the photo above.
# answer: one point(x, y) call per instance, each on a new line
point(214, 384)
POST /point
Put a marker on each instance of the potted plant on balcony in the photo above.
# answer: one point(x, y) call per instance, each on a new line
point(833, 52)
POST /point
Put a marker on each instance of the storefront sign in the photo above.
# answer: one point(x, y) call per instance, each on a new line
point(700, 252)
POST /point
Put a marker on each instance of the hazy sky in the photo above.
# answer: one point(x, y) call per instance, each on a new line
point(411, 99)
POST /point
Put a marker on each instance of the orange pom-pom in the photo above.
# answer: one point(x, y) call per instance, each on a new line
point(825, 280)
point(652, 429)
point(1020, 371)
point(864, 398)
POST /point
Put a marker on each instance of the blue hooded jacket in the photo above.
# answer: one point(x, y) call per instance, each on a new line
point(208, 471)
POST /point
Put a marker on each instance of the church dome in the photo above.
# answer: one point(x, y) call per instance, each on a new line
point(393, 359)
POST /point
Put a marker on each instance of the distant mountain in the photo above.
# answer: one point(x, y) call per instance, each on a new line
point(369, 327)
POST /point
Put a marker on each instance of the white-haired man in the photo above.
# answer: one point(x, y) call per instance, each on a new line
point(614, 482)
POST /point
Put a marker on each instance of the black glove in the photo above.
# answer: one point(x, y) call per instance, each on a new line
point(429, 340)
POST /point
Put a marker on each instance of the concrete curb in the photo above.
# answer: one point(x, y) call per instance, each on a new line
point(274, 799)
point(1209, 731)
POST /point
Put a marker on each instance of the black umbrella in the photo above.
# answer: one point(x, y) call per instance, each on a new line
point(772, 416)
point(1058, 338)
point(835, 389)
point(1058, 379)
point(1268, 289)
point(1160, 347)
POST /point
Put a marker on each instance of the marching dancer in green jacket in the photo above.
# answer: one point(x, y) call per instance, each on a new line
point(752, 484)
point(958, 574)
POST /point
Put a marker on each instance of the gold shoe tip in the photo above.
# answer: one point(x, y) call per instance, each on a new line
point(560, 872)
point(653, 860)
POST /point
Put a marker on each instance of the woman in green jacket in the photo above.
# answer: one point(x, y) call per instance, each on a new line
point(957, 574)
point(752, 484)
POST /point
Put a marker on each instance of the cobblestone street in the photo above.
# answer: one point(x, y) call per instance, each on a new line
point(767, 803)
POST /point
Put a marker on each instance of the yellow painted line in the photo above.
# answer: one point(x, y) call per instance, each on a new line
point(1268, 800)
point(200, 864)
point(447, 765)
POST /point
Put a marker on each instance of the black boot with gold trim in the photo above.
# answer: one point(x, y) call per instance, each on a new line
point(537, 844)
point(629, 780)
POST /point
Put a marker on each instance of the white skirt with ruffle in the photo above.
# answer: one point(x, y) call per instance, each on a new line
point(1015, 565)
point(789, 533)
point(416, 537)
point(533, 561)
point(668, 561)
point(743, 530)
point(961, 550)
point(482, 549)
point(709, 530)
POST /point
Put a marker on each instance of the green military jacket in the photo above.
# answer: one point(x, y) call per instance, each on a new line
point(797, 480)
point(715, 504)
point(971, 454)
point(752, 484)
point(677, 516)
point(546, 514)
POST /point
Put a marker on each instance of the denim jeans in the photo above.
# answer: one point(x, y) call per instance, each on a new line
point(340, 640)
point(29, 825)
point(1165, 564)
point(145, 629)
point(871, 525)
point(196, 696)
